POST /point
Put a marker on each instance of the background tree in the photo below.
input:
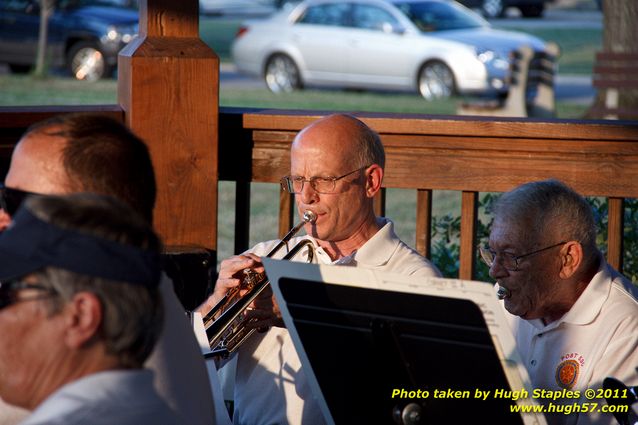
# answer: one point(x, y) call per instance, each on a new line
point(620, 35)
point(46, 10)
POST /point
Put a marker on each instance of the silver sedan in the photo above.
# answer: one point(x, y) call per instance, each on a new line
point(435, 47)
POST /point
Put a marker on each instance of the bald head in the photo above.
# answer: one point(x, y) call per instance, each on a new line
point(36, 165)
point(351, 141)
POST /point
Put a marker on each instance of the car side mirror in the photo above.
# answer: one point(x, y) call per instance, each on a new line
point(398, 29)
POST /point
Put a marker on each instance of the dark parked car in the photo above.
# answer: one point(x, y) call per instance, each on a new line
point(496, 8)
point(85, 36)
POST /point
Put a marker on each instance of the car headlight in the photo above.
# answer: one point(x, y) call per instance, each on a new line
point(123, 33)
point(492, 58)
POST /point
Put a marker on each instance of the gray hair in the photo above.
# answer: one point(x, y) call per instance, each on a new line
point(133, 314)
point(368, 149)
point(550, 207)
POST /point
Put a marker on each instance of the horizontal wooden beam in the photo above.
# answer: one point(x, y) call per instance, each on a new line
point(441, 125)
point(24, 116)
point(597, 158)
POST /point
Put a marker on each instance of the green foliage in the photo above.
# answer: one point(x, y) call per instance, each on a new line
point(445, 245)
point(446, 232)
point(447, 228)
point(630, 233)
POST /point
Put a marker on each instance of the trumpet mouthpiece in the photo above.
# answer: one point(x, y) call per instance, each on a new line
point(309, 216)
point(502, 293)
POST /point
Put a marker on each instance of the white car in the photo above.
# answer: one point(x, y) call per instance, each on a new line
point(237, 7)
point(436, 47)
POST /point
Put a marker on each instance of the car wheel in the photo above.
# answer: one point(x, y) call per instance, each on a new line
point(282, 74)
point(493, 8)
point(532, 10)
point(436, 81)
point(86, 62)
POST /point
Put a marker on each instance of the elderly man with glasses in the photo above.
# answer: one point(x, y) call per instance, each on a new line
point(336, 170)
point(574, 317)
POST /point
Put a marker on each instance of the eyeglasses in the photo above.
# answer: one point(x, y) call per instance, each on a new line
point(294, 184)
point(509, 261)
point(9, 292)
point(11, 199)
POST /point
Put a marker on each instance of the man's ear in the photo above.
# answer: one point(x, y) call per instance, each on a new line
point(374, 177)
point(571, 255)
point(83, 319)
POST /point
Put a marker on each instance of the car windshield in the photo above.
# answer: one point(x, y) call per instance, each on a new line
point(440, 16)
point(70, 4)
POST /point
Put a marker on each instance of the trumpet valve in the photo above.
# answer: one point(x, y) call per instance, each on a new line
point(251, 278)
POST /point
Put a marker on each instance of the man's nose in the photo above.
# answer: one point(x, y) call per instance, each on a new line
point(497, 270)
point(308, 194)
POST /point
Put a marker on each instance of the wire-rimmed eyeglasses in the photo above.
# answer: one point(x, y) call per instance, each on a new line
point(9, 292)
point(294, 184)
point(509, 261)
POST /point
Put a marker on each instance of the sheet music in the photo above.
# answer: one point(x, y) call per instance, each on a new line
point(481, 293)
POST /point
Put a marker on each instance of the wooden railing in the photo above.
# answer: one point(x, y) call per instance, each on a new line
point(424, 153)
point(466, 154)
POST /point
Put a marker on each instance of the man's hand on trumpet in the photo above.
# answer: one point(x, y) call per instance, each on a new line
point(264, 311)
point(231, 274)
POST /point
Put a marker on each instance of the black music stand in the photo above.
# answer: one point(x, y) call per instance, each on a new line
point(358, 345)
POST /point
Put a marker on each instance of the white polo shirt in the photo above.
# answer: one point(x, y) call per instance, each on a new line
point(270, 385)
point(596, 338)
point(123, 397)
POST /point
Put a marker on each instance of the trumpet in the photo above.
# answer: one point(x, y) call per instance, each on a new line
point(225, 324)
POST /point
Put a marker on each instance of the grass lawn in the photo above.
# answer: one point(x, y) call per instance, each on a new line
point(578, 47)
point(17, 90)
point(25, 90)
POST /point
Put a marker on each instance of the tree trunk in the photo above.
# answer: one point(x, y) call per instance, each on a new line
point(46, 10)
point(620, 35)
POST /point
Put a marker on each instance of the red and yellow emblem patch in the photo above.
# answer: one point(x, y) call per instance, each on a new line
point(567, 373)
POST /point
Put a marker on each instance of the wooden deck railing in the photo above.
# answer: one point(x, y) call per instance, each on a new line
point(466, 154)
point(424, 153)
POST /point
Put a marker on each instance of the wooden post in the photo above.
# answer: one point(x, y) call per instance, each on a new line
point(424, 222)
point(469, 208)
point(168, 87)
point(615, 232)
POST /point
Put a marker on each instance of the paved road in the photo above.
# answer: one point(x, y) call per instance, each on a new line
point(575, 89)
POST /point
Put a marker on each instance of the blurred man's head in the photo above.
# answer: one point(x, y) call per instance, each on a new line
point(81, 153)
point(78, 294)
point(343, 149)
